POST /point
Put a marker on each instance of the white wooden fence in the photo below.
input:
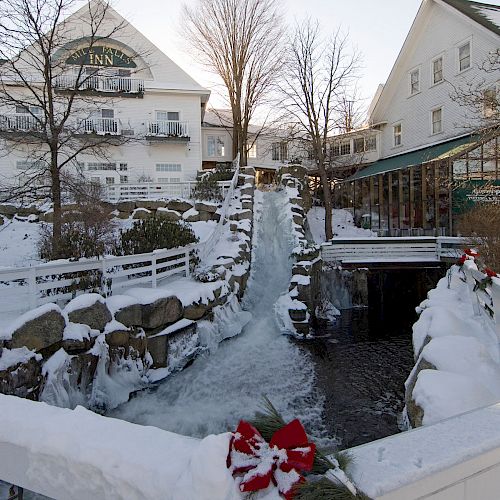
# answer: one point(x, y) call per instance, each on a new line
point(150, 191)
point(372, 250)
point(25, 288)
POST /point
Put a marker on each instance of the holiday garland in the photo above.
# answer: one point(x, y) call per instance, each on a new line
point(269, 451)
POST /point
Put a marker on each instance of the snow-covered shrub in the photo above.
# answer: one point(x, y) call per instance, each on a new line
point(154, 234)
point(206, 186)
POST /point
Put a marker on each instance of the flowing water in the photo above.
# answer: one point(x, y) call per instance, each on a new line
point(226, 385)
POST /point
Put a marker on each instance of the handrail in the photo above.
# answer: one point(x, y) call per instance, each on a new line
point(209, 245)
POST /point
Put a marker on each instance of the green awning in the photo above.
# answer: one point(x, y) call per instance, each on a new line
point(439, 151)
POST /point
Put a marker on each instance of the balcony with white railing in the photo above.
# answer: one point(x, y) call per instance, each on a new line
point(169, 130)
point(115, 85)
point(101, 126)
point(19, 122)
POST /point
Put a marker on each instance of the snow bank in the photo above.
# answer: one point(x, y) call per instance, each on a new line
point(342, 224)
point(77, 454)
point(463, 348)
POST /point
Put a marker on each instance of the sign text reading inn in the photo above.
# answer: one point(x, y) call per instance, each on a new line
point(101, 56)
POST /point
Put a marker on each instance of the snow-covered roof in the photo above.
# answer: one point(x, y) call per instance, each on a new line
point(487, 15)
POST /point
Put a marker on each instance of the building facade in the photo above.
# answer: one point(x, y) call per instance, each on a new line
point(141, 109)
point(425, 162)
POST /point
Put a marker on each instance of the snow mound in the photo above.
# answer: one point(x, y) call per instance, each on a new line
point(12, 357)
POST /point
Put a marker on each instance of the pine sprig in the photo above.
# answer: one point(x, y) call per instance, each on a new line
point(325, 490)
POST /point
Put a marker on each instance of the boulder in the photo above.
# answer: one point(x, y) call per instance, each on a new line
point(179, 205)
point(170, 215)
point(196, 311)
point(41, 332)
point(205, 207)
point(118, 338)
point(142, 213)
point(130, 315)
point(139, 342)
point(126, 206)
point(161, 312)
point(1, 220)
point(9, 210)
point(150, 204)
point(96, 315)
point(298, 315)
point(22, 380)
point(247, 205)
point(158, 348)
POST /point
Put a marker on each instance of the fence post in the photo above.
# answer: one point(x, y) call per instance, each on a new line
point(103, 278)
point(154, 282)
point(187, 262)
point(33, 295)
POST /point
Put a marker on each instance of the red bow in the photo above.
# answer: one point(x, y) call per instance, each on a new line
point(462, 260)
point(471, 253)
point(280, 461)
point(490, 273)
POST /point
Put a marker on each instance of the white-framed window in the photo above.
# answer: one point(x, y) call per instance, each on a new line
point(107, 113)
point(29, 110)
point(359, 145)
point(168, 167)
point(437, 120)
point(397, 131)
point(336, 149)
point(415, 81)
point(252, 150)
point(123, 179)
point(93, 166)
point(437, 70)
point(345, 148)
point(28, 164)
point(162, 116)
point(464, 56)
point(371, 143)
point(216, 147)
point(169, 180)
point(110, 180)
point(280, 151)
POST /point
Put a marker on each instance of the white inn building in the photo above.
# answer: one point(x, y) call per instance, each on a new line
point(143, 111)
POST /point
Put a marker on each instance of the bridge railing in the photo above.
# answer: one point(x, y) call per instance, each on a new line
point(410, 249)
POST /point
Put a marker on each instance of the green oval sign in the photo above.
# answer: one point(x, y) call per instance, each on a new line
point(101, 56)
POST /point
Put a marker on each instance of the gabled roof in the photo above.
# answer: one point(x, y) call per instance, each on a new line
point(485, 14)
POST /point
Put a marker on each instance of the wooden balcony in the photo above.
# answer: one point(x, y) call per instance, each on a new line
point(20, 125)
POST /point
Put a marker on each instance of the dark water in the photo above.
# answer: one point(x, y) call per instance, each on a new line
point(361, 366)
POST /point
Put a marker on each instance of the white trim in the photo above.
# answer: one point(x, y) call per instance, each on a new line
point(394, 125)
point(458, 46)
point(432, 111)
point(416, 69)
point(433, 60)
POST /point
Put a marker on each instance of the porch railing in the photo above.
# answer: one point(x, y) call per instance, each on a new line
point(100, 84)
point(19, 123)
point(168, 128)
point(101, 126)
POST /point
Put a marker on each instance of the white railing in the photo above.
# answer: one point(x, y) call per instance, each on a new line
point(168, 128)
point(19, 123)
point(210, 244)
point(413, 249)
point(485, 299)
point(101, 126)
point(152, 191)
point(119, 84)
point(25, 288)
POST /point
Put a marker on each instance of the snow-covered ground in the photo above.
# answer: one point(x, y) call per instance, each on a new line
point(18, 244)
point(464, 349)
point(342, 225)
point(228, 384)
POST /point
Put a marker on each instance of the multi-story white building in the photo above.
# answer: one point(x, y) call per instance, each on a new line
point(145, 106)
point(421, 144)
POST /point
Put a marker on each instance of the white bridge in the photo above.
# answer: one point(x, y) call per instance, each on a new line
point(370, 251)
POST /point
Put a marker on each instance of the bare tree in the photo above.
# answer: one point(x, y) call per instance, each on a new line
point(47, 93)
point(319, 73)
point(241, 42)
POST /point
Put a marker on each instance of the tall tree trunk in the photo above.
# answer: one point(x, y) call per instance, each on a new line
point(327, 201)
point(56, 200)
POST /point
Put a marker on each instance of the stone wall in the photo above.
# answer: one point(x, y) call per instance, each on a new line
point(145, 329)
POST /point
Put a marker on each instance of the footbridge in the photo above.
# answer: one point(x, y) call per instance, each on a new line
point(392, 252)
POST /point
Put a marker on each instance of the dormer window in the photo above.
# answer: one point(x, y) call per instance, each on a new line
point(415, 82)
point(464, 57)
